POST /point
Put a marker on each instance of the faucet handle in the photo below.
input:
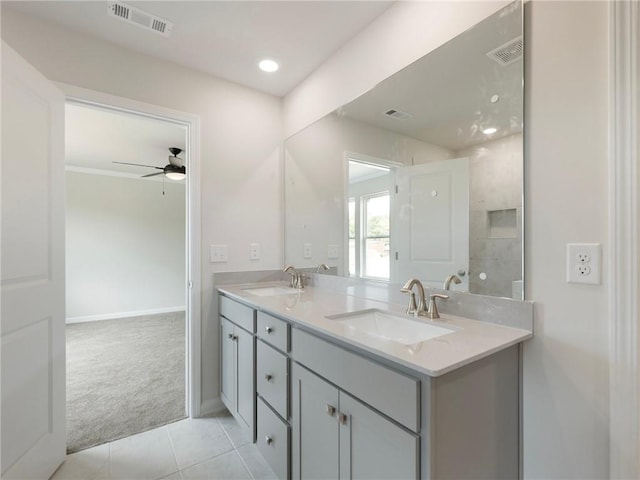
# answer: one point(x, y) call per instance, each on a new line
point(433, 306)
point(413, 307)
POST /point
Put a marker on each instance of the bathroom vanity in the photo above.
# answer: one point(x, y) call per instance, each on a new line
point(330, 389)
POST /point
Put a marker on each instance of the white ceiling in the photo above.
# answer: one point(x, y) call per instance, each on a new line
point(226, 38)
point(96, 137)
point(447, 92)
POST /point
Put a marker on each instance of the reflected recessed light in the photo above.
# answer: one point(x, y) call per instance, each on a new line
point(494, 98)
point(489, 130)
point(268, 65)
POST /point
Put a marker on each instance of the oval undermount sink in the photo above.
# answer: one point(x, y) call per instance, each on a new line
point(390, 326)
point(270, 291)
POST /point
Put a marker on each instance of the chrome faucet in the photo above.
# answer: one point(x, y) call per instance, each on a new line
point(322, 266)
point(421, 308)
point(297, 280)
point(450, 278)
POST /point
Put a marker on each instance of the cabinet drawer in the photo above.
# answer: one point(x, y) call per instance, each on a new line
point(273, 331)
point(388, 391)
point(273, 440)
point(272, 378)
point(238, 313)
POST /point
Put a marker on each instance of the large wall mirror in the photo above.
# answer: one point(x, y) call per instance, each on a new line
point(422, 176)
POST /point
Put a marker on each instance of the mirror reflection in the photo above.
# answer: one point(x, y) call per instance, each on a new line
point(420, 177)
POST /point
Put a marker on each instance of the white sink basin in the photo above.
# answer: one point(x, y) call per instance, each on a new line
point(270, 291)
point(389, 326)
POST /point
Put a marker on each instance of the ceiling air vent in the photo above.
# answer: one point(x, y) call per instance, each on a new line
point(397, 114)
point(135, 16)
point(508, 53)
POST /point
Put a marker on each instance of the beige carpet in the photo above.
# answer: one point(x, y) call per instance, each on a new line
point(124, 376)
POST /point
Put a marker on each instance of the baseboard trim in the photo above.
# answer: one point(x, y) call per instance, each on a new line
point(112, 316)
point(211, 406)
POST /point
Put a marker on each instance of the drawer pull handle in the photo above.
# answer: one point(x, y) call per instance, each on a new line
point(269, 330)
point(342, 418)
point(268, 377)
point(330, 409)
point(268, 440)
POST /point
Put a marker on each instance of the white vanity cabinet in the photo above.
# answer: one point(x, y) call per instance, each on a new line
point(336, 436)
point(237, 342)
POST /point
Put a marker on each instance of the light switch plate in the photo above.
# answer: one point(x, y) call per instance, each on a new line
point(218, 253)
point(332, 252)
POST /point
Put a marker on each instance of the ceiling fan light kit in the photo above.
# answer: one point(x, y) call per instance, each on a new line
point(174, 170)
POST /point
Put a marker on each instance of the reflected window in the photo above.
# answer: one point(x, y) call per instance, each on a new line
point(369, 211)
point(375, 254)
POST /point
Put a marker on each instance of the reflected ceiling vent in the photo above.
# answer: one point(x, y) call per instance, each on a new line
point(508, 53)
point(135, 16)
point(398, 114)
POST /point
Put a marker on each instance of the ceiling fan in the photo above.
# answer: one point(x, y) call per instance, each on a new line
point(174, 170)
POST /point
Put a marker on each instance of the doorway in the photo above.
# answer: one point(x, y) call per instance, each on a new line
point(129, 265)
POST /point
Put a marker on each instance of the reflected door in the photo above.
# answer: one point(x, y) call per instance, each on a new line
point(431, 222)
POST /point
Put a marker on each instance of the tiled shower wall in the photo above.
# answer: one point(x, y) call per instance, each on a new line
point(495, 216)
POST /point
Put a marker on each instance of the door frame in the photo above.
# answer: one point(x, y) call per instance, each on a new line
point(82, 96)
point(624, 232)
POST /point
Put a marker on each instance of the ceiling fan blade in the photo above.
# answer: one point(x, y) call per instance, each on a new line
point(139, 165)
point(152, 174)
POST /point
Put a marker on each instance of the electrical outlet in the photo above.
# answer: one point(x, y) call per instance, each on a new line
point(583, 263)
point(254, 251)
point(307, 250)
point(332, 252)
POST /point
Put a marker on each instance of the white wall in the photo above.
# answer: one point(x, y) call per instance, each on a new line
point(241, 133)
point(125, 245)
point(566, 364)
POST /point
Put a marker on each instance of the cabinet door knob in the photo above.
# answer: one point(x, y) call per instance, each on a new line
point(342, 418)
point(268, 440)
point(268, 377)
point(230, 336)
point(330, 409)
point(269, 330)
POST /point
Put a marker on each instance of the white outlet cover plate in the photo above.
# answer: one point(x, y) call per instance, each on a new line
point(307, 250)
point(254, 251)
point(576, 271)
point(332, 252)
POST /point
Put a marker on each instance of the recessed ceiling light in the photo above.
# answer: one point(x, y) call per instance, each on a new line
point(489, 130)
point(268, 65)
point(494, 98)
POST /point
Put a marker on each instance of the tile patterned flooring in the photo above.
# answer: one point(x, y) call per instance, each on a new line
point(212, 448)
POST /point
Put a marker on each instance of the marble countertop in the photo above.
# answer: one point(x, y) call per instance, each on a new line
point(471, 340)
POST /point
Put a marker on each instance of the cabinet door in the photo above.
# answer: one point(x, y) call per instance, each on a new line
point(245, 354)
point(373, 447)
point(228, 369)
point(315, 427)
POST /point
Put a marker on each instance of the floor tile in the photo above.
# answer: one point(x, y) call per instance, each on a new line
point(195, 440)
point(173, 476)
point(238, 434)
point(145, 456)
point(90, 464)
point(227, 466)
point(255, 462)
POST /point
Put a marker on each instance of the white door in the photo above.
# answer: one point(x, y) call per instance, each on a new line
point(431, 222)
point(32, 331)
